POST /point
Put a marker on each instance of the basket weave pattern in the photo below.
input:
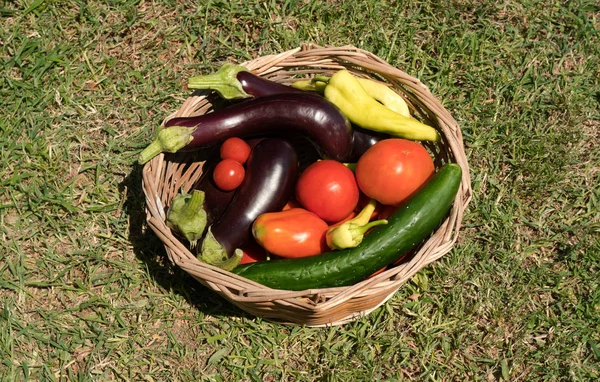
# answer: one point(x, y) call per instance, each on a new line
point(165, 175)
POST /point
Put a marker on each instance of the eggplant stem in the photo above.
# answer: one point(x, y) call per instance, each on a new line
point(187, 215)
point(310, 85)
point(213, 253)
point(170, 140)
point(224, 81)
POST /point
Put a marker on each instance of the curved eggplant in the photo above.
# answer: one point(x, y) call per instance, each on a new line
point(257, 86)
point(270, 180)
point(237, 82)
point(284, 114)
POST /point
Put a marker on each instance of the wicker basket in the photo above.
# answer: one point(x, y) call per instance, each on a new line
point(165, 176)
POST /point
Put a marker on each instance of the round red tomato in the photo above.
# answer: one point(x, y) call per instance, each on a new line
point(236, 149)
point(392, 169)
point(228, 174)
point(328, 189)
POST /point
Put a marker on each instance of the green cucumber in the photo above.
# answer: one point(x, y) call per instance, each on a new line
point(413, 222)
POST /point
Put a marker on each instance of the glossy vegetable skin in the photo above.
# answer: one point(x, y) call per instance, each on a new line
point(269, 183)
point(235, 148)
point(328, 189)
point(216, 200)
point(282, 114)
point(237, 82)
point(411, 224)
point(351, 232)
point(229, 174)
point(392, 169)
point(363, 140)
point(291, 233)
point(375, 89)
point(257, 86)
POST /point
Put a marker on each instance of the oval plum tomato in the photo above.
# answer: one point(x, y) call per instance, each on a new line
point(291, 233)
point(392, 169)
point(228, 174)
point(328, 189)
point(235, 148)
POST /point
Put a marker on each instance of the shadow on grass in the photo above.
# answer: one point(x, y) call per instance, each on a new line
point(149, 248)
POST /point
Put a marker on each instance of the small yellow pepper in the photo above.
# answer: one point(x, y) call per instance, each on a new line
point(351, 233)
point(346, 92)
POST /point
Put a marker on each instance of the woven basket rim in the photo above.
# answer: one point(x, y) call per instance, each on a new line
point(164, 175)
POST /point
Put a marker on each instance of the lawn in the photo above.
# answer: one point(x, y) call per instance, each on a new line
point(86, 292)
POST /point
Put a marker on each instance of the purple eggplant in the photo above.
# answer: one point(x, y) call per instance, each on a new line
point(235, 82)
point(271, 173)
point(257, 86)
point(363, 139)
point(286, 114)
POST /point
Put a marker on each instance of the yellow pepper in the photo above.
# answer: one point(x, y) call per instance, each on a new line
point(346, 92)
point(375, 89)
point(351, 233)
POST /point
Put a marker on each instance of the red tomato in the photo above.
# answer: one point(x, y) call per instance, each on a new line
point(351, 216)
point(392, 169)
point(228, 174)
point(236, 149)
point(292, 203)
point(377, 272)
point(253, 253)
point(328, 189)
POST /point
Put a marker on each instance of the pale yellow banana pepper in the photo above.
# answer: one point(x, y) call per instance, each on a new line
point(346, 92)
point(382, 93)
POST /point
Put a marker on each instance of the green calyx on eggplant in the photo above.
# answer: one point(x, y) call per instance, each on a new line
point(237, 82)
point(283, 114)
point(187, 216)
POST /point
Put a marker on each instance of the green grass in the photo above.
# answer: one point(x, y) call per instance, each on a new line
point(86, 292)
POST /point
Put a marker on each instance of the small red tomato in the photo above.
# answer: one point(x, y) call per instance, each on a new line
point(392, 169)
point(236, 149)
point(228, 174)
point(328, 189)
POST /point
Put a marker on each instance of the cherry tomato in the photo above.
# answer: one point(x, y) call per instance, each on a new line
point(392, 169)
point(328, 189)
point(236, 149)
point(228, 174)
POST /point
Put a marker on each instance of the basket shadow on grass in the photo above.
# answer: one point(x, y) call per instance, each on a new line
point(149, 249)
